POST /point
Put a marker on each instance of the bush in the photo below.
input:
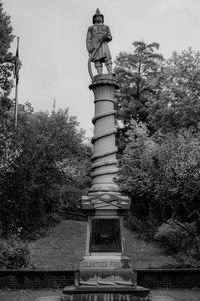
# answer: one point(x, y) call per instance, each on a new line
point(176, 238)
point(53, 219)
point(14, 253)
point(191, 256)
point(180, 240)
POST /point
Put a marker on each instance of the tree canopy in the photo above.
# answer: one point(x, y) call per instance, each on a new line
point(177, 105)
point(138, 75)
point(160, 162)
point(6, 64)
point(50, 157)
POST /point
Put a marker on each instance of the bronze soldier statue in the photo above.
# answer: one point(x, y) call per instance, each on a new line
point(98, 36)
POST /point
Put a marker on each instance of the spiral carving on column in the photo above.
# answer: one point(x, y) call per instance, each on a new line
point(104, 162)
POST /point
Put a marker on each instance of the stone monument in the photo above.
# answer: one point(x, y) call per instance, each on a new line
point(105, 272)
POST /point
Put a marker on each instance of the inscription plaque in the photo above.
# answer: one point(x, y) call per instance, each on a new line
point(105, 235)
point(105, 264)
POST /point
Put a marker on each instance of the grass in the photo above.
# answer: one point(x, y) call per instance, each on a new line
point(64, 246)
point(179, 295)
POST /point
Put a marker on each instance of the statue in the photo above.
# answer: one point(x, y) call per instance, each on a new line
point(98, 36)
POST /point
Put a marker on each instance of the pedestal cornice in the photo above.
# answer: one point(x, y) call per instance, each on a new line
point(104, 79)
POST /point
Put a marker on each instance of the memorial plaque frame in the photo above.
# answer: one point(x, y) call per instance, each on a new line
point(93, 223)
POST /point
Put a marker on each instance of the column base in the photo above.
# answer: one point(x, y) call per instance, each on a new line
point(107, 201)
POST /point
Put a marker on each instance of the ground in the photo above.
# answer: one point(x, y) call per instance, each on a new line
point(179, 295)
point(64, 246)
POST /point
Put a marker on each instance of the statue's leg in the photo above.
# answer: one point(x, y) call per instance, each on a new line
point(108, 64)
point(99, 67)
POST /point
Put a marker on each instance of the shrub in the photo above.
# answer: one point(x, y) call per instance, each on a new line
point(14, 253)
point(53, 219)
point(191, 256)
point(176, 238)
point(180, 240)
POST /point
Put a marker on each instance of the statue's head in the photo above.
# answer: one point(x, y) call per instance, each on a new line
point(98, 17)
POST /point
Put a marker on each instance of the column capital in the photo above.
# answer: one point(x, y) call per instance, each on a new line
point(104, 79)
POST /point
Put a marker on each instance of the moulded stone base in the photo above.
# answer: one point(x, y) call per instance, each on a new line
point(108, 277)
point(106, 293)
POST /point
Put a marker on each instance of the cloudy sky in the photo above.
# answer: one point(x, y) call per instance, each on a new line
point(52, 43)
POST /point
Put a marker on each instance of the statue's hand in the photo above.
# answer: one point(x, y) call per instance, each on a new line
point(107, 38)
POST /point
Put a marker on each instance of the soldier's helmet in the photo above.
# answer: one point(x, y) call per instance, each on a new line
point(97, 14)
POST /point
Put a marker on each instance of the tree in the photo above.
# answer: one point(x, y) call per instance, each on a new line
point(177, 105)
point(51, 150)
point(161, 174)
point(138, 75)
point(6, 65)
point(137, 171)
point(6, 36)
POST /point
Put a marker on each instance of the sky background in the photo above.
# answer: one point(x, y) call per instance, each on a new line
point(53, 51)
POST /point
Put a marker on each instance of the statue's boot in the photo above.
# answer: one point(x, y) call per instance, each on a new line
point(99, 70)
point(109, 68)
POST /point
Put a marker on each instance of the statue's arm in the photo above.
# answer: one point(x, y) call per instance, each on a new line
point(109, 36)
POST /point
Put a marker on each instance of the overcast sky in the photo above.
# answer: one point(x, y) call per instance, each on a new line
point(52, 43)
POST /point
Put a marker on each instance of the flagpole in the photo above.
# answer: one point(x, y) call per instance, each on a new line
point(16, 90)
point(16, 102)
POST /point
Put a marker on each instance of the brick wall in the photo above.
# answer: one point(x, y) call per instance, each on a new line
point(163, 278)
point(35, 279)
point(150, 278)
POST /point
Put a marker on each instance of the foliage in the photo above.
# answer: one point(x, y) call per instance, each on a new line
point(178, 184)
point(160, 165)
point(161, 174)
point(175, 236)
point(138, 75)
point(8, 154)
point(177, 104)
point(6, 65)
point(14, 253)
point(180, 239)
point(52, 155)
point(136, 172)
point(6, 36)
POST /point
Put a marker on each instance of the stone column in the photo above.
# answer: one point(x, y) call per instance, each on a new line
point(104, 162)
